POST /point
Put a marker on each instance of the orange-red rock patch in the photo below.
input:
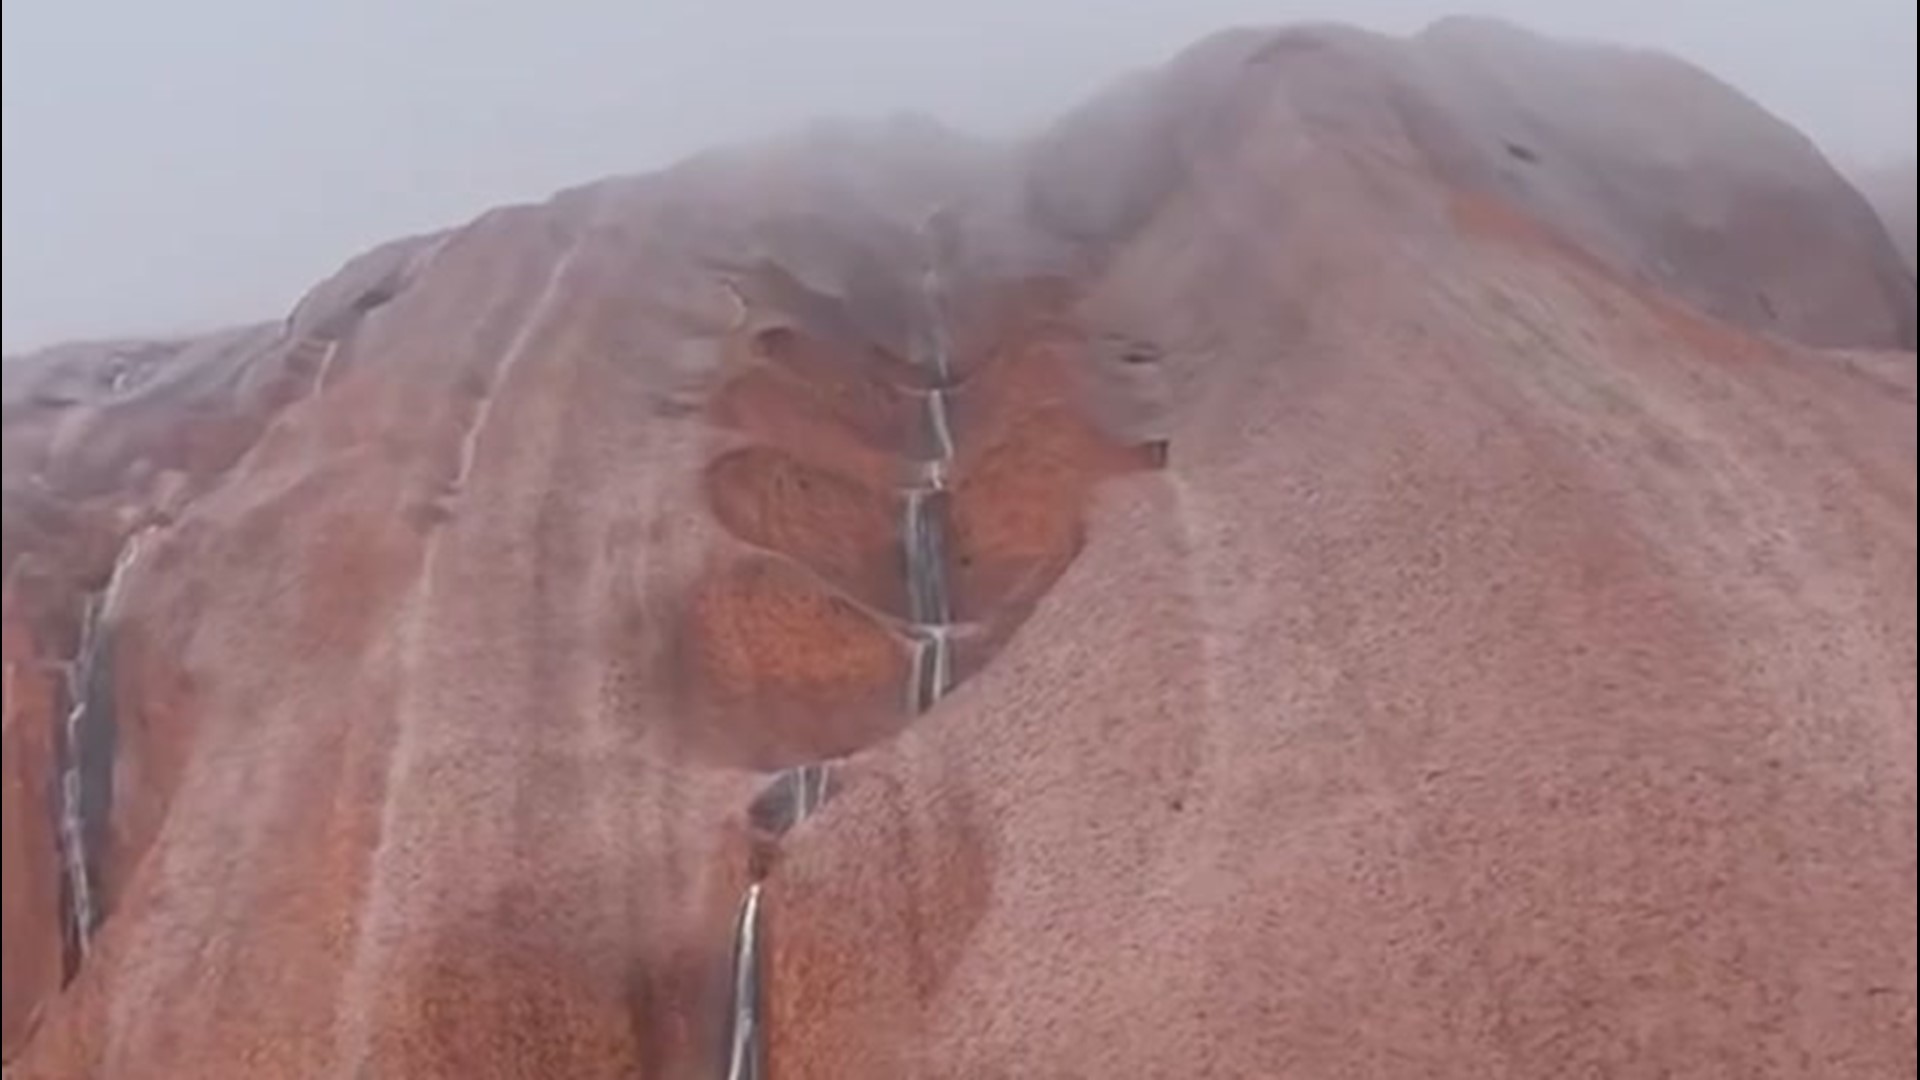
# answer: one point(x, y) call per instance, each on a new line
point(781, 670)
point(844, 531)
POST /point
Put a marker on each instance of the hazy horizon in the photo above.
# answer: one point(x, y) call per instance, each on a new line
point(172, 169)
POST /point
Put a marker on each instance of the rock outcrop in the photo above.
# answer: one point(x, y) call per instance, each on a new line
point(1345, 556)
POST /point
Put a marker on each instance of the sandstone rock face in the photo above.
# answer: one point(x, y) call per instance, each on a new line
point(1344, 557)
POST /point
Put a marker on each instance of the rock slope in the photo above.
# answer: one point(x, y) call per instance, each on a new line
point(1345, 556)
point(1891, 191)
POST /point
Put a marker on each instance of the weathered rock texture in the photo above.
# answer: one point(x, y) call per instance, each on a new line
point(1432, 543)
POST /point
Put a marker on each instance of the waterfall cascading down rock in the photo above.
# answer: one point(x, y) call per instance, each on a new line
point(923, 533)
point(924, 529)
point(86, 752)
point(922, 539)
point(74, 849)
point(940, 432)
point(796, 793)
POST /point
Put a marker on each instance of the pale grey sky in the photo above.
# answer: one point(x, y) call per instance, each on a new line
point(182, 165)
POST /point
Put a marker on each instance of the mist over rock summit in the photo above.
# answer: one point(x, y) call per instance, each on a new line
point(1344, 556)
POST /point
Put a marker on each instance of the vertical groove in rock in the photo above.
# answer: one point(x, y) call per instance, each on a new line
point(76, 863)
point(940, 428)
point(746, 1049)
point(86, 757)
point(798, 792)
point(923, 532)
point(1014, 509)
point(932, 667)
point(412, 631)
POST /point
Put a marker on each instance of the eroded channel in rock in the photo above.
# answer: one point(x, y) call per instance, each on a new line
point(86, 748)
point(988, 514)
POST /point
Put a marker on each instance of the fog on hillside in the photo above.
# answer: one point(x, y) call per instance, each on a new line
point(1890, 188)
point(178, 167)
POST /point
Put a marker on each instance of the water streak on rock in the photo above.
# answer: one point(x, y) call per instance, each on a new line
point(932, 669)
point(73, 823)
point(745, 1053)
point(923, 534)
point(86, 743)
point(809, 789)
point(798, 792)
point(940, 428)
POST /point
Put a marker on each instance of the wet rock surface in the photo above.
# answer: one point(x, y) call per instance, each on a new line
point(1346, 556)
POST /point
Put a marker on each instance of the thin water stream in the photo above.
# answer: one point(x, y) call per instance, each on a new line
point(923, 535)
point(76, 864)
point(803, 788)
point(86, 750)
point(746, 1051)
